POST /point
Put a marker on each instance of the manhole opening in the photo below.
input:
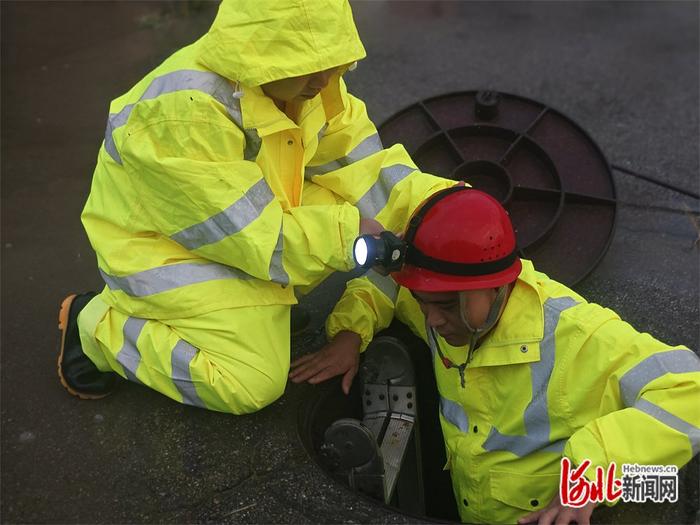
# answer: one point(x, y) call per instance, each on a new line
point(423, 489)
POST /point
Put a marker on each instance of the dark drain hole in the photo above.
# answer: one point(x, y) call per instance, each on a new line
point(423, 489)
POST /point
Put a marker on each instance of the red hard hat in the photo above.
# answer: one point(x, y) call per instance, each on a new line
point(459, 239)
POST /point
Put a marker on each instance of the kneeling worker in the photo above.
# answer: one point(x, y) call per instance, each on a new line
point(528, 371)
point(235, 174)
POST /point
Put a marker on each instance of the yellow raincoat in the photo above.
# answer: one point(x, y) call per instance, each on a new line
point(557, 376)
point(209, 204)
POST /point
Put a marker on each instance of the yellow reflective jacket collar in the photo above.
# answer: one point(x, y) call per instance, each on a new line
point(331, 95)
point(517, 336)
point(259, 111)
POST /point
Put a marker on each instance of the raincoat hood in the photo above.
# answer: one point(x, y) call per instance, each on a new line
point(255, 42)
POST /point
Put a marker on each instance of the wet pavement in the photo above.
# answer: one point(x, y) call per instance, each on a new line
point(627, 72)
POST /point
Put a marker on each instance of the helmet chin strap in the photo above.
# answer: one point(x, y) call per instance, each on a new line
point(491, 319)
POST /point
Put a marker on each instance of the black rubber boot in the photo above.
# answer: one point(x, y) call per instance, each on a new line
point(77, 373)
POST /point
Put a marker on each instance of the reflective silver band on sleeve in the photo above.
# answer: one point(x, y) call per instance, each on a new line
point(377, 197)
point(277, 272)
point(186, 79)
point(653, 367)
point(229, 221)
point(384, 283)
point(364, 149)
point(182, 355)
point(536, 416)
point(129, 356)
point(672, 421)
point(165, 278)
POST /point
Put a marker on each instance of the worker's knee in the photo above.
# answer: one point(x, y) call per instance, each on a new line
point(250, 391)
point(265, 388)
point(242, 360)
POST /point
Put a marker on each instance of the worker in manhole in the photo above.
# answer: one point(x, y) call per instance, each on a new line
point(533, 380)
point(236, 173)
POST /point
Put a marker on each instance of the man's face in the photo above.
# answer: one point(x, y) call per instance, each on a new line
point(300, 88)
point(442, 312)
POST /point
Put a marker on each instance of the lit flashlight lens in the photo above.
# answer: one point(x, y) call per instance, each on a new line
point(360, 251)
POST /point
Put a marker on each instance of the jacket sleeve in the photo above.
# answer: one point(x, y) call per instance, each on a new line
point(642, 397)
point(196, 189)
point(383, 183)
point(366, 307)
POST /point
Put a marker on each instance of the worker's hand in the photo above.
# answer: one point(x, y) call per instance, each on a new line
point(371, 227)
point(557, 514)
point(340, 356)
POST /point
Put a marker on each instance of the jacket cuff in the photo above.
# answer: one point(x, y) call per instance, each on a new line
point(349, 226)
point(337, 322)
point(583, 445)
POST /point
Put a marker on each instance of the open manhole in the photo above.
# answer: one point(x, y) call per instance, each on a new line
point(548, 173)
point(416, 484)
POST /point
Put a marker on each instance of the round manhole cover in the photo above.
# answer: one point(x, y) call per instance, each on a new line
point(545, 169)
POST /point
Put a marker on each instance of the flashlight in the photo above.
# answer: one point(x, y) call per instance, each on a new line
point(387, 251)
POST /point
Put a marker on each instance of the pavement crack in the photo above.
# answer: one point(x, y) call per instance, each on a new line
point(234, 486)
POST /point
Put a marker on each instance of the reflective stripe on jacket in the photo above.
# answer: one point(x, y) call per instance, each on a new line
point(197, 201)
point(556, 376)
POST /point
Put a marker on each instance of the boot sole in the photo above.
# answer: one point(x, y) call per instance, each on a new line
point(63, 327)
